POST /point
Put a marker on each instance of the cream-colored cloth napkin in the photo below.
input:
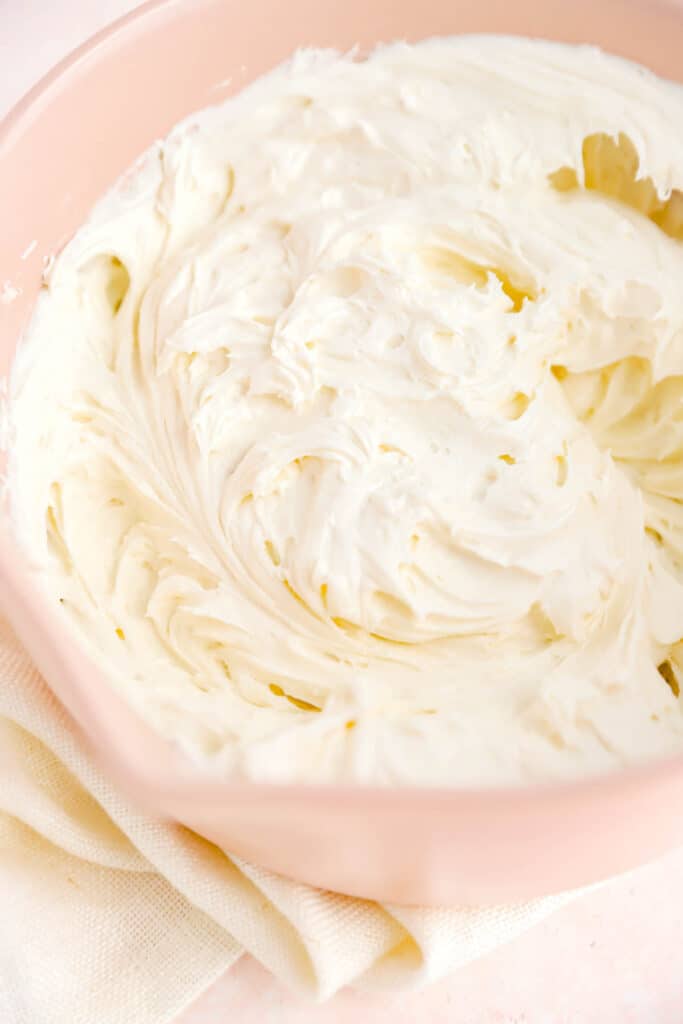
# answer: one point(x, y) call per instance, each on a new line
point(111, 917)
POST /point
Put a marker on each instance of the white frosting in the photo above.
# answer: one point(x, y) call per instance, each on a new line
point(319, 452)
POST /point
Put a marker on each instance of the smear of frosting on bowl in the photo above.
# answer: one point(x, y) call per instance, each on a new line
point(348, 431)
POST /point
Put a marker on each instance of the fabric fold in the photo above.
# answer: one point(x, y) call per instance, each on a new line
point(112, 916)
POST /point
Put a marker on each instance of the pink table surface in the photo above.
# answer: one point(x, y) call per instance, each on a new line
point(612, 957)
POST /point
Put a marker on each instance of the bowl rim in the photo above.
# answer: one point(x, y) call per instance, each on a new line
point(13, 118)
point(25, 605)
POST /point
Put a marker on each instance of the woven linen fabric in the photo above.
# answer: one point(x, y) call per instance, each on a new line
point(111, 916)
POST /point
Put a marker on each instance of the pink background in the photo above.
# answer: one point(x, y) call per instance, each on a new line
point(610, 958)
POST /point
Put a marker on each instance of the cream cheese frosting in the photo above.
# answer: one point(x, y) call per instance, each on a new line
point(348, 430)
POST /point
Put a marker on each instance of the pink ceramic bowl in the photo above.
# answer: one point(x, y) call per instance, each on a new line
point(62, 147)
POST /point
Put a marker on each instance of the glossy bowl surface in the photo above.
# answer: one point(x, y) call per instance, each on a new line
point(60, 149)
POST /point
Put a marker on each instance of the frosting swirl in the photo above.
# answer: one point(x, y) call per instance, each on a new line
point(348, 429)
